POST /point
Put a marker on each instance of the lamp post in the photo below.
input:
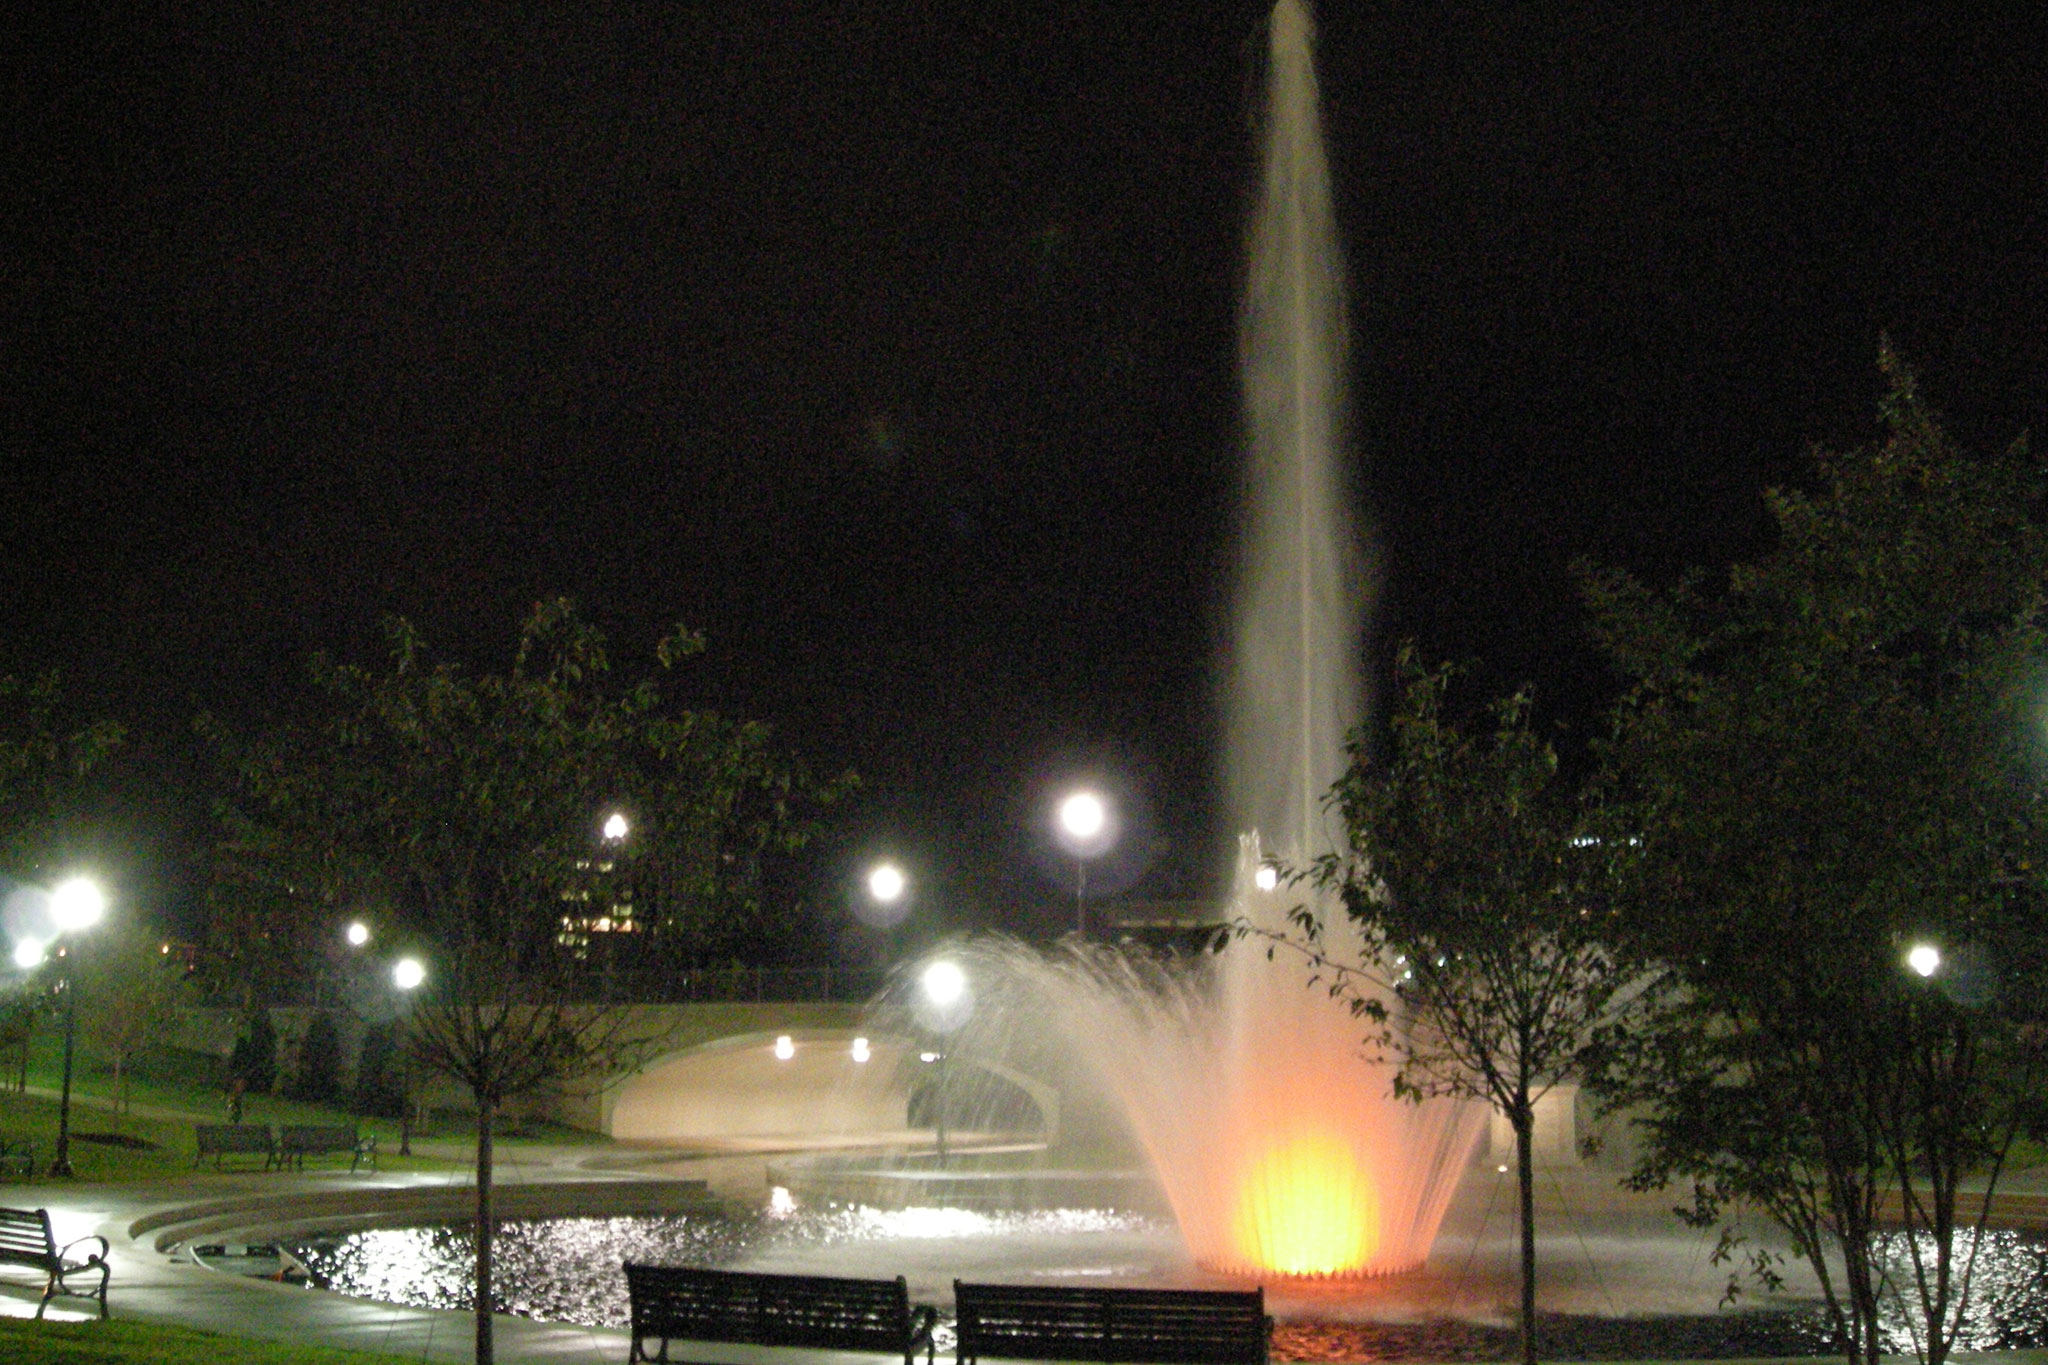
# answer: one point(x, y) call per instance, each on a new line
point(1084, 827)
point(944, 985)
point(75, 906)
point(407, 974)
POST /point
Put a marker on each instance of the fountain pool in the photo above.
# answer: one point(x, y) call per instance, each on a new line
point(1624, 1289)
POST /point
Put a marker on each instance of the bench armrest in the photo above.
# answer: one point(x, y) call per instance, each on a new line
point(97, 1258)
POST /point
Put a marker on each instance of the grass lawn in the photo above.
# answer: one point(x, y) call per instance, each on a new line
point(138, 1146)
point(131, 1343)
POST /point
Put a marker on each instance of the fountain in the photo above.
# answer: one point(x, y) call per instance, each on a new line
point(1280, 1149)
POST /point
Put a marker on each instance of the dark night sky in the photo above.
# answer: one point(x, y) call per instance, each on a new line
point(893, 345)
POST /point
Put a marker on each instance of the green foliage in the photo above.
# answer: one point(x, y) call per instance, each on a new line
point(466, 806)
point(316, 1079)
point(253, 1061)
point(1478, 881)
point(23, 1008)
point(379, 1086)
point(1833, 759)
point(46, 757)
point(130, 994)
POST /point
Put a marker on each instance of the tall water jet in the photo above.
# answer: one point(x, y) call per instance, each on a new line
point(1304, 589)
point(1280, 1147)
point(1306, 1163)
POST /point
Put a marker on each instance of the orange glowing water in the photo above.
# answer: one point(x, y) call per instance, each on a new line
point(1306, 1206)
point(1277, 1142)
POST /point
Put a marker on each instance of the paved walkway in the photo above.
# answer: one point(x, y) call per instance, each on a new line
point(149, 1286)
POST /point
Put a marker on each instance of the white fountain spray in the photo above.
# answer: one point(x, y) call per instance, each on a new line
point(1304, 588)
point(1278, 1144)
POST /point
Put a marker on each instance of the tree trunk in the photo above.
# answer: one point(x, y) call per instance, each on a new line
point(484, 1350)
point(1524, 1121)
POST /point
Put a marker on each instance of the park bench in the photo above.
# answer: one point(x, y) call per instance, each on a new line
point(18, 1156)
point(685, 1304)
point(1163, 1326)
point(219, 1140)
point(297, 1141)
point(26, 1240)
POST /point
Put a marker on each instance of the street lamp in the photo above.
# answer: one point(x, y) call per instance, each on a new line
point(1084, 830)
point(407, 974)
point(357, 934)
point(1924, 959)
point(945, 987)
point(75, 906)
point(888, 896)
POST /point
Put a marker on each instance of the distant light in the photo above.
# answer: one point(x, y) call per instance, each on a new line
point(1083, 815)
point(1502, 1169)
point(1267, 877)
point(860, 1050)
point(944, 983)
point(886, 882)
point(29, 953)
point(77, 904)
point(615, 827)
point(927, 1056)
point(1924, 959)
point(785, 1048)
point(408, 973)
point(781, 1202)
point(357, 934)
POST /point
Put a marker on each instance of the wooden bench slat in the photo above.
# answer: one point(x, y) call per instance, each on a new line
point(685, 1303)
point(1111, 1325)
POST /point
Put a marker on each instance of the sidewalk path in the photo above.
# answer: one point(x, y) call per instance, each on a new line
point(148, 1286)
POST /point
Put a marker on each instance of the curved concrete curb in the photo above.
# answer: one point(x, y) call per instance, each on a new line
point(274, 1216)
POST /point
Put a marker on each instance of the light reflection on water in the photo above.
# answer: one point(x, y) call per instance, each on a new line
point(567, 1269)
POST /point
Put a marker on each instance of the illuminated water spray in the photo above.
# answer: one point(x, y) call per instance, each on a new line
point(1280, 1148)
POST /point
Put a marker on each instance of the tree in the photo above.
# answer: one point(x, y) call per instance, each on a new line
point(130, 996)
point(23, 1007)
point(45, 756)
point(252, 1064)
point(1831, 762)
point(468, 805)
point(378, 1089)
point(316, 1078)
point(1477, 880)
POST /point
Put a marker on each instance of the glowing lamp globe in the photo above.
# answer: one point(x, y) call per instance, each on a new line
point(1083, 815)
point(77, 904)
point(886, 882)
point(944, 983)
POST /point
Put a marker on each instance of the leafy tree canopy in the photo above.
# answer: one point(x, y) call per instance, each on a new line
point(461, 812)
point(1836, 758)
point(1477, 880)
